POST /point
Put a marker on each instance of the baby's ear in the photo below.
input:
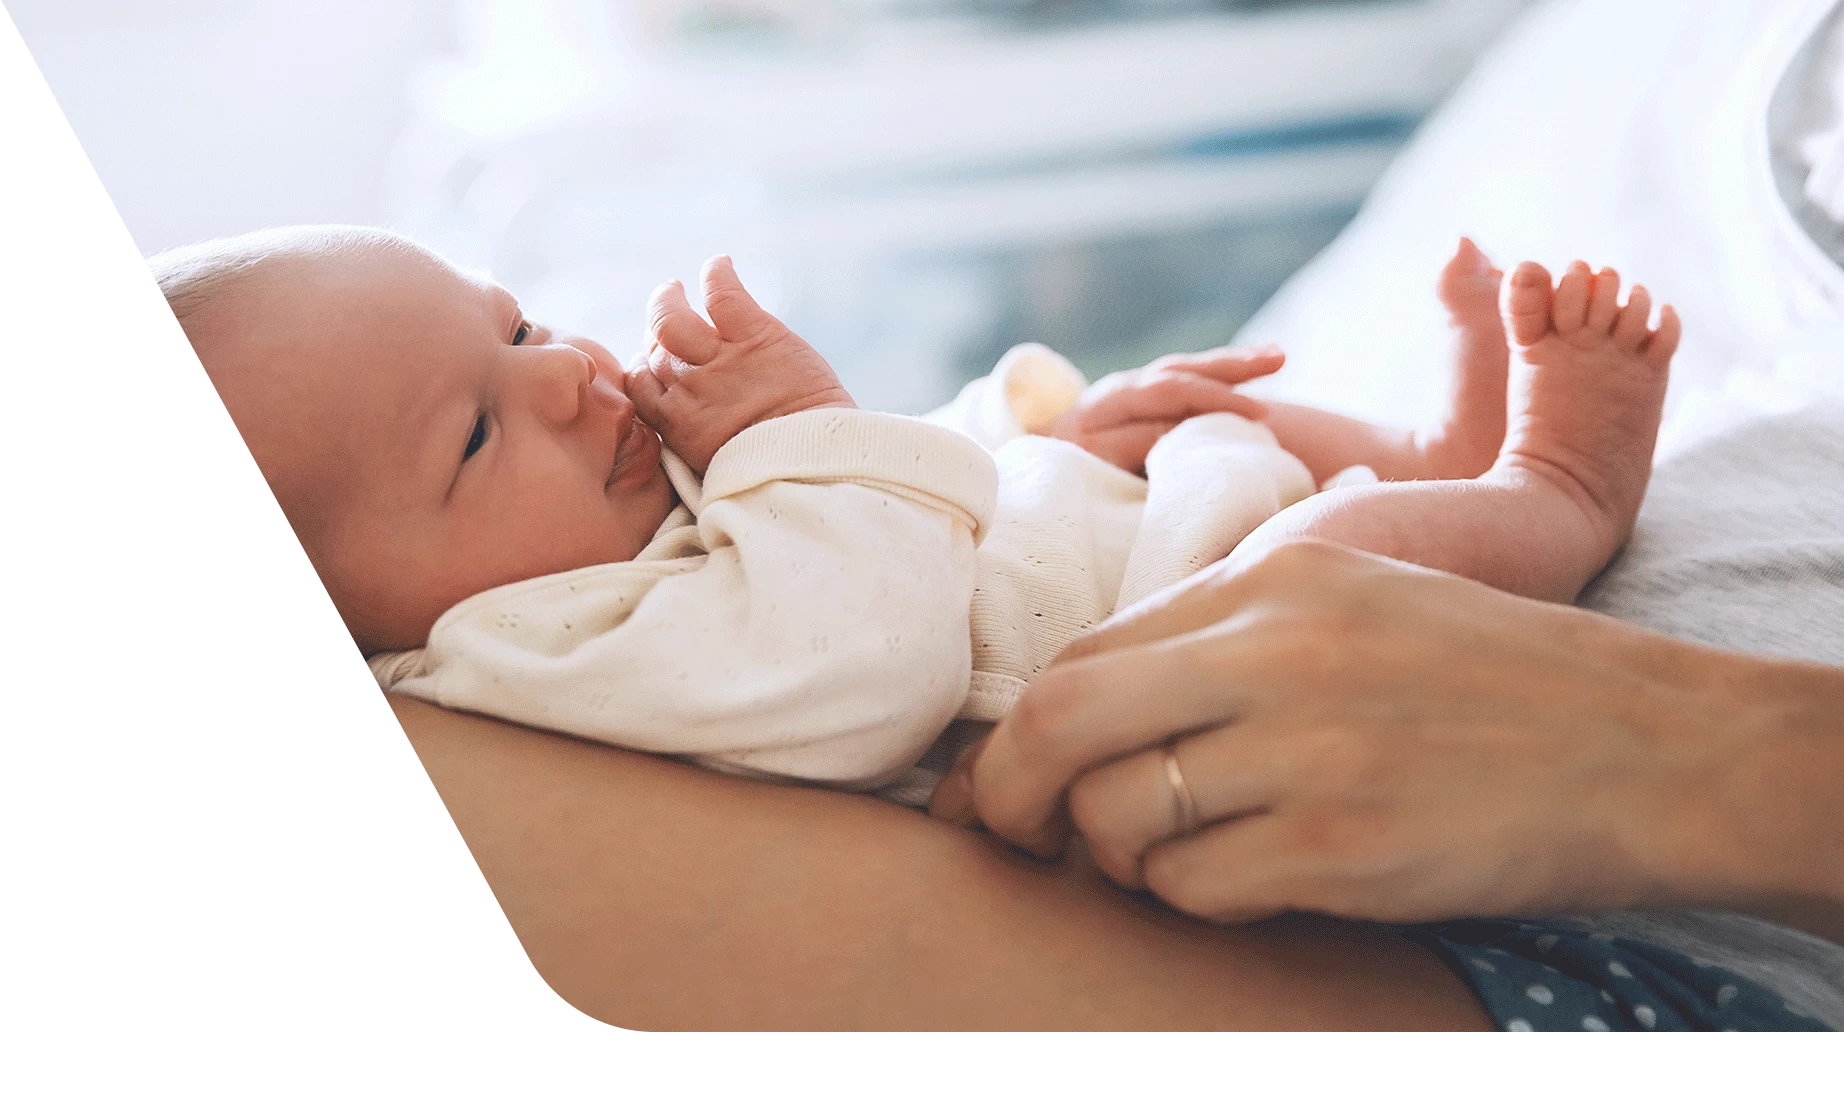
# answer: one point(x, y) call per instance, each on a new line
point(737, 316)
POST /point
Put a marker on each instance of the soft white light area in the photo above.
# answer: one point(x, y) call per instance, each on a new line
point(883, 181)
point(213, 117)
point(865, 171)
point(1645, 151)
point(533, 62)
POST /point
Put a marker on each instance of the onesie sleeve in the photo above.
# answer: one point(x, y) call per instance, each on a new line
point(821, 633)
point(1209, 483)
point(1029, 389)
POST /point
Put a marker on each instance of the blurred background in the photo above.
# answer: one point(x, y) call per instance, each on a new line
point(914, 185)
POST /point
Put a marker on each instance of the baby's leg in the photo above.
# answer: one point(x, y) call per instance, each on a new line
point(1589, 387)
point(1466, 439)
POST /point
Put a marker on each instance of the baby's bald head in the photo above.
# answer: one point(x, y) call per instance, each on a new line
point(424, 440)
point(256, 309)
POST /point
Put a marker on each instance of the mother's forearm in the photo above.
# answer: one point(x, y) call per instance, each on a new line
point(1766, 775)
point(650, 894)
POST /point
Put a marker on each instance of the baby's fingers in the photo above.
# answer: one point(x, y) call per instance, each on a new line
point(678, 327)
point(735, 313)
point(1226, 364)
point(1168, 395)
point(646, 391)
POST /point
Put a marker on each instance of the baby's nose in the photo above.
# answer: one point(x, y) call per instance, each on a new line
point(605, 391)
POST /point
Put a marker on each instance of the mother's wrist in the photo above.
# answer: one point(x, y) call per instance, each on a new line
point(1759, 759)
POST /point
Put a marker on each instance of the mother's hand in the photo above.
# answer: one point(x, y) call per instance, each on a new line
point(1370, 739)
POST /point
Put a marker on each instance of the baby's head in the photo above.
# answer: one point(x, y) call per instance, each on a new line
point(425, 440)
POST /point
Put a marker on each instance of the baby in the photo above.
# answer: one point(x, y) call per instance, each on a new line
point(714, 553)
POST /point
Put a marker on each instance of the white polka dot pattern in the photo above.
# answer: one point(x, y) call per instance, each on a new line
point(1546, 976)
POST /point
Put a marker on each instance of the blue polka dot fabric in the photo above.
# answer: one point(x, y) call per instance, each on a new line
point(1541, 977)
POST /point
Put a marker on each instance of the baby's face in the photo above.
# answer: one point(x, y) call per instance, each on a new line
point(428, 441)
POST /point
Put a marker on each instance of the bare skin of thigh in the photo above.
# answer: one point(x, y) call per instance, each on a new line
point(653, 895)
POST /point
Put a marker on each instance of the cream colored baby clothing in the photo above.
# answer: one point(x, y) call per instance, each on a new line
point(841, 584)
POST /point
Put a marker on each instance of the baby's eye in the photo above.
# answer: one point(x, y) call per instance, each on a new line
point(476, 438)
point(522, 333)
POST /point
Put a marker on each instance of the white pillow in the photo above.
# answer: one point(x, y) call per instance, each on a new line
point(1808, 136)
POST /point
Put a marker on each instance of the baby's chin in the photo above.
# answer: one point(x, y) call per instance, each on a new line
point(646, 498)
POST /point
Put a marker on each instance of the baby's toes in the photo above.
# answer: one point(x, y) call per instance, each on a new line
point(1469, 280)
point(1570, 309)
point(1629, 330)
point(1604, 301)
point(1663, 343)
point(1526, 303)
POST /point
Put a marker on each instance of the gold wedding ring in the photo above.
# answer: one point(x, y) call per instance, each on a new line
point(1187, 807)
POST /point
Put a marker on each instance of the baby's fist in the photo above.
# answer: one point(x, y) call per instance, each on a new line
point(705, 381)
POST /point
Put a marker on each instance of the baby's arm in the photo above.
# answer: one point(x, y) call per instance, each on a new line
point(822, 634)
point(1035, 391)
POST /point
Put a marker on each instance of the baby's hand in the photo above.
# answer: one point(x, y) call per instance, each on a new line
point(701, 385)
point(1120, 417)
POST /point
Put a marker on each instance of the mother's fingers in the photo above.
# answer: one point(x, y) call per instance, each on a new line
point(1125, 808)
point(1282, 575)
point(1205, 598)
point(1077, 715)
point(1233, 872)
point(1227, 642)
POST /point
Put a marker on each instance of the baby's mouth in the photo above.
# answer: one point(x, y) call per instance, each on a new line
point(633, 441)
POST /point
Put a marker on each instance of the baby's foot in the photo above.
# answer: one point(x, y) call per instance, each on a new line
point(1467, 439)
point(1589, 390)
